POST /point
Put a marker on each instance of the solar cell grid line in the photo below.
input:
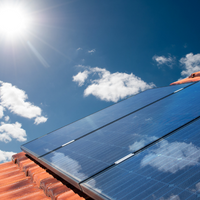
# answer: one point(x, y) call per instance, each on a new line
point(82, 127)
point(101, 149)
point(168, 169)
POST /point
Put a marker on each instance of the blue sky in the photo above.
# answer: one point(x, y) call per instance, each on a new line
point(78, 57)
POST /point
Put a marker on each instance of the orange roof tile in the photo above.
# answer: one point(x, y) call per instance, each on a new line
point(192, 78)
point(24, 179)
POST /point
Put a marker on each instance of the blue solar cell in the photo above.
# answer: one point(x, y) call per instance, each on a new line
point(95, 121)
point(102, 148)
point(170, 169)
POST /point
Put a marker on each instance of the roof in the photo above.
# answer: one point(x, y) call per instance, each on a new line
point(192, 78)
point(23, 178)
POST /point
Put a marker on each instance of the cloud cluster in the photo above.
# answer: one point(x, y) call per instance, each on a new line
point(162, 60)
point(5, 156)
point(9, 131)
point(110, 86)
point(191, 64)
point(14, 99)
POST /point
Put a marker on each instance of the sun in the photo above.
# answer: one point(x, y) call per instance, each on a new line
point(14, 21)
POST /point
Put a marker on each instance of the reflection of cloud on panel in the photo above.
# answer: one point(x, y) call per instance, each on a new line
point(195, 188)
point(66, 163)
point(141, 143)
point(172, 197)
point(149, 119)
point(172, 157)
point(198, 187)
point(71, 166)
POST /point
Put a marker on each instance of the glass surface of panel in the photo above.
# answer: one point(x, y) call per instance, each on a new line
point(102, 148)
point(170, 169)
point(90, 123)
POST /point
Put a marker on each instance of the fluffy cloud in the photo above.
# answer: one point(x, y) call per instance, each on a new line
point(161, 60)
point(39, 120)
point(191, 64)
point(14, 100)
point(9, 131)
point(1, 111)
point(111, 86)
point(6, 118)
point(81, 77)
point(92, 51)
point(5, 156)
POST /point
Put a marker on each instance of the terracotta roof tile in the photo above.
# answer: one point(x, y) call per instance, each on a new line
point(54, 192)
point(18, 155)
point(65, 195)
point(47, 182)
point(25, 179)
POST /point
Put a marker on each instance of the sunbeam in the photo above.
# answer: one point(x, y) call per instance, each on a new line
point(38, 55)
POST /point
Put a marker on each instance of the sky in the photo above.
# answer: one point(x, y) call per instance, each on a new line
point(76, 57)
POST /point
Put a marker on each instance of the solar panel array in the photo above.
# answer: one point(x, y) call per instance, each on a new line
point(142, 147)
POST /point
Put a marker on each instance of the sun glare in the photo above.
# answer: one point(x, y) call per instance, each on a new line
point(14, 21)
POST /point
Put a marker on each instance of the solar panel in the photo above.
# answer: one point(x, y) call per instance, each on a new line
point(95, 121)
point(170, 169)
point(105, 147)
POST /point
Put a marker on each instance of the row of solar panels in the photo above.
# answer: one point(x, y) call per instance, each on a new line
point(102, 154)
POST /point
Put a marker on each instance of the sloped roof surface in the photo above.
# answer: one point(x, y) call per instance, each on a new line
point(23, 178)
point(192, 78)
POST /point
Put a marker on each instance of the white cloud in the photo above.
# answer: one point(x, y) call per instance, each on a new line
point(39, 120)
point(1, 111)
point(9, 131)
point(78, 49)
point(161, 60)
point(92, 51)
point(111, 86)
point(6, 118)
point(191, 64)
point(5, 156)
point(14, 100)
point(81, 77)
